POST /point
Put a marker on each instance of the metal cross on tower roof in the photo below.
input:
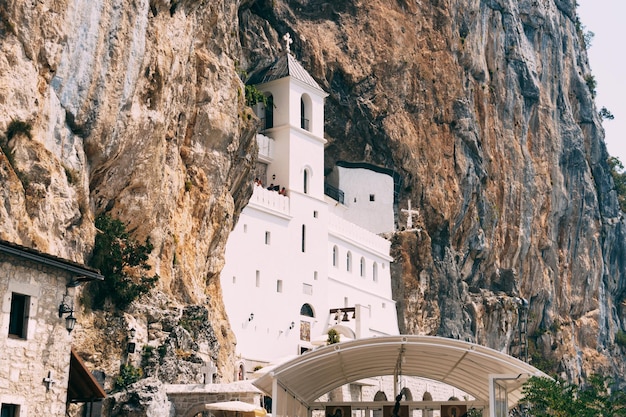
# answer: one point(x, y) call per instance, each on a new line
point(288, 41)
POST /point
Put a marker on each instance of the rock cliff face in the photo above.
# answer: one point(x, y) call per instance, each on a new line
point(483, 106)
point(486, 110)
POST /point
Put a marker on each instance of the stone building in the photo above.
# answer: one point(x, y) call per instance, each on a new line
point(37, 317)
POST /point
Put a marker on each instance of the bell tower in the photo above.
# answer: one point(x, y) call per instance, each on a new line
point(294, 121)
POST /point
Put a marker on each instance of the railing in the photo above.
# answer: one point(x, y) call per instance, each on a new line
point(344, 228)
point(266, 145)
point(334, 193)
point(270, 200)
point(304, 123)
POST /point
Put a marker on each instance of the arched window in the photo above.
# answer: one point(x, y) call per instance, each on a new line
point(349, 262)
point(375, 272)
point(306, 310)
point(407, 394)
point(362, 270)
point(335, 255)
point(240, 372)
point(305, 184)
point(380, 396)
point(305, 112)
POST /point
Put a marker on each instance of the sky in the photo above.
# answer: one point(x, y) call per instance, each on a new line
point(607, 57)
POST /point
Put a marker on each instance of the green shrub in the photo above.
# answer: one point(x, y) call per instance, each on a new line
point(254, 96)
point(590, 80)
point(128, 375)
point(620, 338)
point(123, 263)
point(333, 337)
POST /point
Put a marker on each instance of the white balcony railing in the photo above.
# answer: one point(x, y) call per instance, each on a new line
point(346, 229)
point(266, 146)
point(270, 200)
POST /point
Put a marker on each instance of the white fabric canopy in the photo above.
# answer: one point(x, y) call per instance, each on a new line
point(464, 365)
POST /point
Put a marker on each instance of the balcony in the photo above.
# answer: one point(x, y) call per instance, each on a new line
point(334, 193)
point(266, 147)
point(269, 200)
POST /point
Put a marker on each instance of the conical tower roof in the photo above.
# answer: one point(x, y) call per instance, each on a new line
point(285, 66)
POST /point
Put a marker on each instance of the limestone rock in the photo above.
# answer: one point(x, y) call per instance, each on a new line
point(145, 398)
point(483, 107)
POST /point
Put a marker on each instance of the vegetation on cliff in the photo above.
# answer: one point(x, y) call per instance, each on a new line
point(556, 397)
point(123, 262)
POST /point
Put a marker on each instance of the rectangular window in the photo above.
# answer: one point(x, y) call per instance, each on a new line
point(18, 319)
point(303, 238)
point(267, 238)
point(279, 285)
point(245, 228)
point(258, 279)
point(234, 279)
point(315, 214)
point(372, 197)
point(10, 410)
point(315, 275)
point(307, 289)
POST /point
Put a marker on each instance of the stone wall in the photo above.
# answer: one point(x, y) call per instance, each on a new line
point(25, 363)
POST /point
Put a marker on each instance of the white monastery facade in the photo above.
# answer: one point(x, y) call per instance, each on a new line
point(299, 263)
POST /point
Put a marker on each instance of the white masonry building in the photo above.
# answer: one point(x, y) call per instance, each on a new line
point(297, 264)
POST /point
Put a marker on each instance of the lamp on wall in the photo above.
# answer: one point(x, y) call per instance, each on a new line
point(292, 325)
point(130, 348)
point(251, 317)
point(67, 307)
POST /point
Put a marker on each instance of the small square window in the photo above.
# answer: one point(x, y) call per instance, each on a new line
point(372, 197)
point(18, 320)
point(10, 410)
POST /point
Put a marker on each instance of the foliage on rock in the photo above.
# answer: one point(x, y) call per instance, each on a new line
point(128, 376)
point(556, 397)
point(123, 262)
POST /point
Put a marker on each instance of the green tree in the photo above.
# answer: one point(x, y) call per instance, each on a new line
point(555, 397)
point(333, 337)
point(619, 179)
point(123, 263)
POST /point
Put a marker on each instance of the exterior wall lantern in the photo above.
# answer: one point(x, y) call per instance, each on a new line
point(66, 307)
point(130, 348)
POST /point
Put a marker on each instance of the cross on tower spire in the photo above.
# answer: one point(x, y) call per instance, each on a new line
point(288, 42)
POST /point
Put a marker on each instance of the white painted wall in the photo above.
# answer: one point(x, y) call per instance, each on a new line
point(307, 276)
point(358, 184)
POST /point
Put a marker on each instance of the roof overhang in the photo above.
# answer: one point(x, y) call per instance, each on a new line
point(82, 386)
point(466, 366)
point(80, 273)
